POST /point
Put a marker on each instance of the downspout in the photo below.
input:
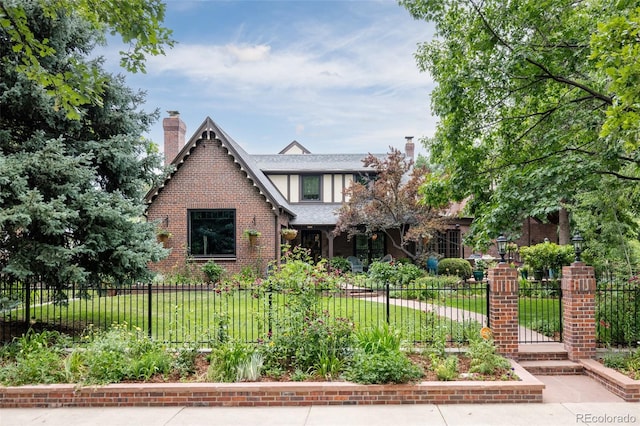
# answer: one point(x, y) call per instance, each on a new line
point(276, 247)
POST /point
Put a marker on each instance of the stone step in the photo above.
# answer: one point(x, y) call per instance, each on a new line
point(542, 352)
point(552, 367)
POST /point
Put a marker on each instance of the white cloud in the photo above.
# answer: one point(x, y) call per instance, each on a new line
point(246, 53)
point(342, 85)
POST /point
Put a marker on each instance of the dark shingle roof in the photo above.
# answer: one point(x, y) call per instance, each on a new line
point(315, 214)
point(312, 163)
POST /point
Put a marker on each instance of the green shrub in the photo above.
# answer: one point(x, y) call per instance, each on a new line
point(455, 266)
point(184, 361)
point(340, 263)
point(428, 287)
point(407, 273)
point(118, 354)
point(213, 271)
point(381, 273)
point(378, 358)
point(396, 274)
point(305, 332)
point(547, 255)
point(381, 367)
point(484, 359)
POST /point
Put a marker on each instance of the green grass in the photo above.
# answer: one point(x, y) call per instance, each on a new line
point(529, 309)
point(202, 316)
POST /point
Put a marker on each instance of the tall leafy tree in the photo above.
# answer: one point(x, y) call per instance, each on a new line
point(538, 107)
point(138, 22)
point(388, 202)
point(71, 190)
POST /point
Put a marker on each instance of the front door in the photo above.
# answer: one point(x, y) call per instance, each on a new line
point(312, 240)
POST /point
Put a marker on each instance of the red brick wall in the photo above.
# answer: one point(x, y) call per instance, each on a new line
point(503, 305)
point(209, 179)
point(579, 312)
point(526, 390)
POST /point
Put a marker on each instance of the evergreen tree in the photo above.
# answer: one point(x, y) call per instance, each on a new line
point(71, 190)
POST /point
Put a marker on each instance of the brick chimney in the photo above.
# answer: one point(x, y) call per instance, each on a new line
point(174, 132)
point(409, 147)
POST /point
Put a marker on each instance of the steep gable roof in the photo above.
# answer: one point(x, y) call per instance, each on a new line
point(209, 130)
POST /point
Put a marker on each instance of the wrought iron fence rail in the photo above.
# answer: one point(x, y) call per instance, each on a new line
point(197, 313)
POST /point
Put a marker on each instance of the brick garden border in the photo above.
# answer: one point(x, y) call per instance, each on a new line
point(615, 382)
point(527, 390)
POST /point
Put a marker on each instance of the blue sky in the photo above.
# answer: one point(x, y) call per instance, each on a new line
point(337, 76)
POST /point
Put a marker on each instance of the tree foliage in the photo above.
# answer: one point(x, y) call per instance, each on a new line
point(71, 191)
point(138, 22)
point(388, 201)
point(538, 106)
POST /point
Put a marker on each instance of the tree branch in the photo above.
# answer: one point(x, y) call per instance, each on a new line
point(618, 175)
point(545, 70)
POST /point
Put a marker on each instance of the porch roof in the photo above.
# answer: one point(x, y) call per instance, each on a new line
point(315, 213)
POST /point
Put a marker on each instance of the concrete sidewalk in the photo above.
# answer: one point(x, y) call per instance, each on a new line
point(567, 400)
point(551, 414)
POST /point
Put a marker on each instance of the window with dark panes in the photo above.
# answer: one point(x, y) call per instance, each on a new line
point(212, 232)
point(311, 188)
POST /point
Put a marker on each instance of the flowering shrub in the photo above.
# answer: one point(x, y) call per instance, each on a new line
point(305, 337)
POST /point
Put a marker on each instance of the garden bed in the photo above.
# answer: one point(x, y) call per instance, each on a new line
point(526, 390)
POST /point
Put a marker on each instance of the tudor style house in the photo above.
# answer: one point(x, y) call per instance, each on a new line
point(224, 204)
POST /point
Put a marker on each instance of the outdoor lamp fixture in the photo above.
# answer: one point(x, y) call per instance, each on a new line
point(502, 247)
point(577, 245)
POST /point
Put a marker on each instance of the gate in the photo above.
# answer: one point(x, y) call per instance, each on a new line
point(540, 311)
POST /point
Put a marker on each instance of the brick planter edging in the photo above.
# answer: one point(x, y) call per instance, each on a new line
point(616, 382)
point(527, 390)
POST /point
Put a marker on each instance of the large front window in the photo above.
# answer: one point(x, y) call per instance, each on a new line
point(311, 188)
point(212, 233)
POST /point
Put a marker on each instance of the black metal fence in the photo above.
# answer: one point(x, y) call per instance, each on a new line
point(618, 314)
point(199, 313)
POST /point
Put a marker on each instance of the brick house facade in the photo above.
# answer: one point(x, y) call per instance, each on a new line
point(217, 191)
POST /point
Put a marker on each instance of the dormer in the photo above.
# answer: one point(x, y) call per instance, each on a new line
point(294, 148)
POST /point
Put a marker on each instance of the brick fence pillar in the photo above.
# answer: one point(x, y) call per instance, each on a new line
point(503, 309)
point(579, 310)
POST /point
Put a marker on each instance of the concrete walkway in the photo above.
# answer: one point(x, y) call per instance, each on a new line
point(552, 414)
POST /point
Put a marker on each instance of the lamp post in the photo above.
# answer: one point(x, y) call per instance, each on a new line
point(502, 247)
point(577, 245)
